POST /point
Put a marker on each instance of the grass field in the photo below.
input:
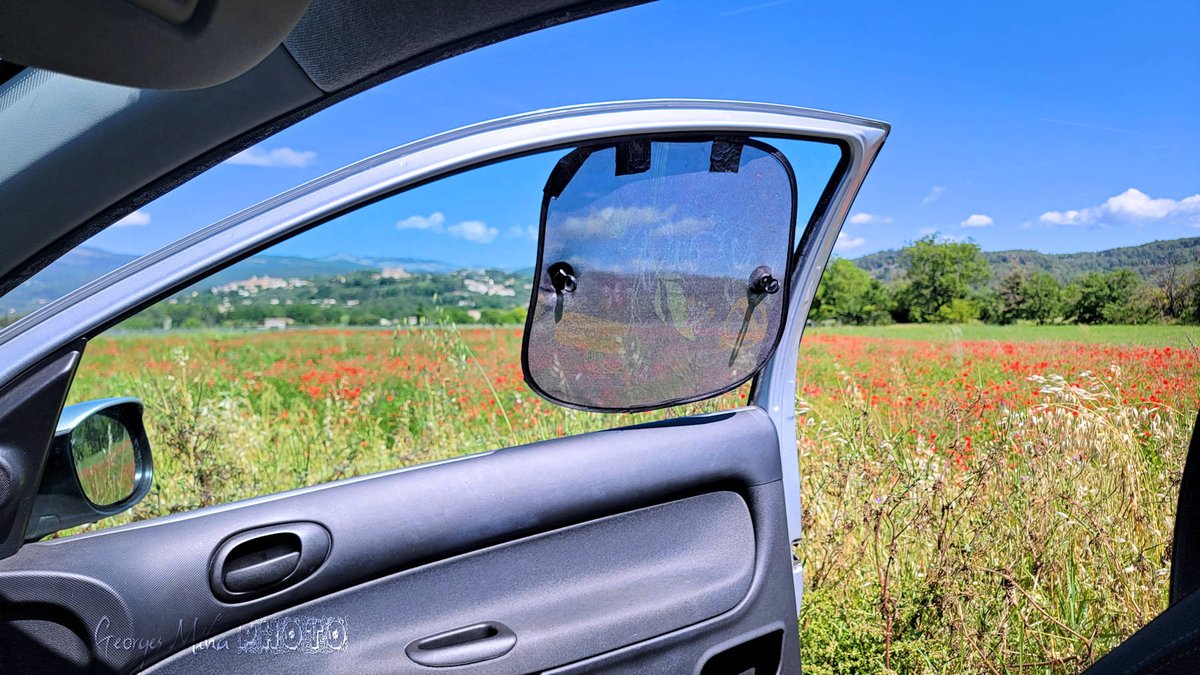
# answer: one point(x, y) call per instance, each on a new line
point(977, 498)
point(988, 499)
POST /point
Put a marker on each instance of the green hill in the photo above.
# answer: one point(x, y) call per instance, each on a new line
point(1149, 260)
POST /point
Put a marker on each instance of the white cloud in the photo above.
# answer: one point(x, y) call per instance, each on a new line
point(683, 227)
point(935, 193)
point(978, 220)
point(1134, 203)
point(471, 230)
point(845, 242)
point(1071, 217)
point(432, 222)
point(474, 230)
point(136, 219)
point(1130, 207)
point(275, 158)
point(613, 220)
point(528, 232)
point(868, 218)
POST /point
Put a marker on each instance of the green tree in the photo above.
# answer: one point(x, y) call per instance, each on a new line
point(936, 274)
point(1041, 298)
point(503, 317)
point(1102, 298)
point(1009, 295)
point(988, 301)
point(1026, 296)
point(1191, 301)
point(1147, 303)
point(958, 310)
point(848, 294)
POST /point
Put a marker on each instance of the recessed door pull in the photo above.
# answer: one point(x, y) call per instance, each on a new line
point(461, 646)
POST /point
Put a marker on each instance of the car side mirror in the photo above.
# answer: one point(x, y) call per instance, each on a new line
point(99, 465)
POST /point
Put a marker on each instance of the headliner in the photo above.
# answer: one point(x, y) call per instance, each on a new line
point(79, 154)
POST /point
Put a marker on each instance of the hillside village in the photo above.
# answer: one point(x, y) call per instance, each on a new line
point(384, 298)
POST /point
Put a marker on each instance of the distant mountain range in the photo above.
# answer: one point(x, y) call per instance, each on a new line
point(407, 264)
point(1148, 260)
point(84, 264)
point(291, 267)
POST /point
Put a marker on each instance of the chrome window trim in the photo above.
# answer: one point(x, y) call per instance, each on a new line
point(96, 304)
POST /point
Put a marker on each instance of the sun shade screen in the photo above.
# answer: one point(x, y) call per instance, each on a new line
point(661, 272)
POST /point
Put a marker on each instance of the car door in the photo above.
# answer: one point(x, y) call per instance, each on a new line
point(660, 547)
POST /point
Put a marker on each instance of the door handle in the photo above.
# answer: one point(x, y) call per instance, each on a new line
point(265, 560)
point(262, 566)
point(462, 646)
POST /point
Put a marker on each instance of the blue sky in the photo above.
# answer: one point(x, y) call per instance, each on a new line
point(1061, 126)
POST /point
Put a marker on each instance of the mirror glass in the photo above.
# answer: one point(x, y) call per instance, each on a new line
point(104, 459)
point(662, 272)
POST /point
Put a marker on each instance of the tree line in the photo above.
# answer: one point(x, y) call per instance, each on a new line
point(952, 282)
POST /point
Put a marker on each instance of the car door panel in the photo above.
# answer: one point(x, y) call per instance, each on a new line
point(645, 530)
point(565, 594)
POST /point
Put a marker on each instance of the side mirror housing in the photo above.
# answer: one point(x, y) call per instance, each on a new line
point(99, 465)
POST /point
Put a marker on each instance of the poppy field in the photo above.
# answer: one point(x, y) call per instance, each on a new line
point(993, 500)
point(975, 504)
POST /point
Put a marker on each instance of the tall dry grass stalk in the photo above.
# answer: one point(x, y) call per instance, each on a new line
point(1037, 551)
